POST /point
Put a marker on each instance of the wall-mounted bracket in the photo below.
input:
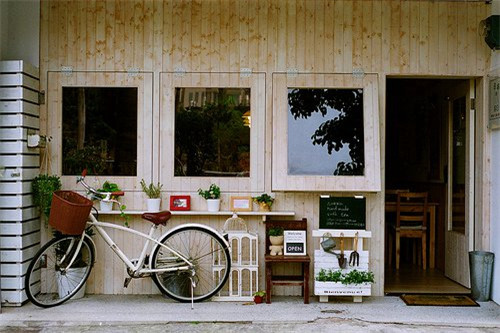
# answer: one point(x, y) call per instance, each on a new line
point(179, 71)
point(67, 70)
point(358, 73)
point(245, 72)
point(133, 72)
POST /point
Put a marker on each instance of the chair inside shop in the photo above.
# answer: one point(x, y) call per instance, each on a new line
point(411, 222)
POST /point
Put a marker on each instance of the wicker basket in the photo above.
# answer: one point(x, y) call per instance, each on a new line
point(69, 212)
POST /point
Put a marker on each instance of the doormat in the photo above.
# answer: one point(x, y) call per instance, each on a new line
point(438, 300)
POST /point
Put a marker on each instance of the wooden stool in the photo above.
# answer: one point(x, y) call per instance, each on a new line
point(287, 280)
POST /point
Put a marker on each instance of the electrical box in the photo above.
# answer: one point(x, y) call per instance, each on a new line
point(492, 36)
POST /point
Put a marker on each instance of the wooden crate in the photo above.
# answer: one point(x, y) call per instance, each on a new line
point(329, 261)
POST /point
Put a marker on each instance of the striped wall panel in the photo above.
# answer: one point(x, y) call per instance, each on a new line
point(19, 220)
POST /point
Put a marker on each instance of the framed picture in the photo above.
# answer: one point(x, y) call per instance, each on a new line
point(295, 242)
point(180, 202)
point(241, 204)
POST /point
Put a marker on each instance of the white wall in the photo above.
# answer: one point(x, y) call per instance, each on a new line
point(495, 212)
point(20, 30)
point(495, 183)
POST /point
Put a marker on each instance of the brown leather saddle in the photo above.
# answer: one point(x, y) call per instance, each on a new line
point(157, 218)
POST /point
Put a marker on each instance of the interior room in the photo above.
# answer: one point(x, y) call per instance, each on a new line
point(425, 152)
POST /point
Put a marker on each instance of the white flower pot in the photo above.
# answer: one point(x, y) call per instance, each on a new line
point(106, 206)
point(213, 205)
point(153, 204)
point(73, 274)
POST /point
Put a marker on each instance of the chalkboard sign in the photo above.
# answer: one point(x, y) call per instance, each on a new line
point(342, 213)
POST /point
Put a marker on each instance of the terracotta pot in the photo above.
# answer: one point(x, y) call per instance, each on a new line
point(258, 299)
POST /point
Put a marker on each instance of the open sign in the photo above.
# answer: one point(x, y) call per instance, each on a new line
point(295, 242)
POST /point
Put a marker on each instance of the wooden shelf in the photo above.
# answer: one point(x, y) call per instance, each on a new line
point(206, 213)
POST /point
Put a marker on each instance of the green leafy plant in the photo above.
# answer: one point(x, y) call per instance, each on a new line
point(43, 187)
point(109, 187)
point(152, 191)
point(275, 231)
point(264, 198)
point(213, 192)
point(260, 293)
point(352, 277)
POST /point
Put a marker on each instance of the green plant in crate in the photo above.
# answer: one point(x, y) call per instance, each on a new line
point(351, 277)
point(152, 191)
point(358, 277)
point(43, 187)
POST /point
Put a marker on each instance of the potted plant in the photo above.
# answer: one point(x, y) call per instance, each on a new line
point(276, 235)
point(212, 196)
point(154, 193)
point(258, 297)
point(43, 187)
point(265, 202)
point(107, 206)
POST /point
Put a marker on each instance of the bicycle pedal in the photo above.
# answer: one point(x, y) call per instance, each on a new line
point(127, 281)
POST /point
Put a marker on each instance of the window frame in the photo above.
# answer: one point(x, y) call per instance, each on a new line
point(256, 82)
point(143, 82)
point(281, 180)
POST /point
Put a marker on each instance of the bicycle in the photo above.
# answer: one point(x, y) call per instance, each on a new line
point(189, 263)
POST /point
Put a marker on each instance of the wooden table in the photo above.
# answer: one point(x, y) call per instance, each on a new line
point(390, 207)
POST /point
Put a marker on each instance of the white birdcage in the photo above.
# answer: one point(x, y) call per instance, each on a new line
point(243, 280)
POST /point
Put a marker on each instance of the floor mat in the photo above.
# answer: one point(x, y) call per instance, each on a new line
point(438, 300)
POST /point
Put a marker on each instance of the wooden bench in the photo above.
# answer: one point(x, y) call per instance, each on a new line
point(304, 260)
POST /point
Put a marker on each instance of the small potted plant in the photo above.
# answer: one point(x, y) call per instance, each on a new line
point(276, 235)
point(154, 193)
point(265, 202)
point(212, 196)
point(107, 206)
point(258, 297)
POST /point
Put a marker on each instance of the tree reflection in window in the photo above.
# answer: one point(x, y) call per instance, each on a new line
point(325, 132)
point(212, 132)
point(99, 131)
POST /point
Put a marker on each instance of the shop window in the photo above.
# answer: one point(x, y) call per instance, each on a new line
point(212, 132)
point(325, 126)
point(99, 130)
point(325, 133)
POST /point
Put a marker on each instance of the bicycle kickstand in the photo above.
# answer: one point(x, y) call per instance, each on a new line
point(193, 285)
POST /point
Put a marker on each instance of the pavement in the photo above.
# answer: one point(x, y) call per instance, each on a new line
point(135, 313)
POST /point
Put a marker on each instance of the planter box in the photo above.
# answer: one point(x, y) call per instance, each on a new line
point(339, 289)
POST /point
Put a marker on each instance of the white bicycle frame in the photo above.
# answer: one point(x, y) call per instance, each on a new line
point(137, 268)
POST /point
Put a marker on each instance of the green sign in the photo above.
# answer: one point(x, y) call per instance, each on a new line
point(342, 213)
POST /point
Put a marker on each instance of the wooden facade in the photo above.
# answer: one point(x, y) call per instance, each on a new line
point(103, 40)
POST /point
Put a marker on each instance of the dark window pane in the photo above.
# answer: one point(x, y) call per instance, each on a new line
point(325, 132)
point(100, 131)
point(212, 132)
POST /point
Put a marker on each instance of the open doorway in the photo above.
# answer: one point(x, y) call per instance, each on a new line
point(427, 151)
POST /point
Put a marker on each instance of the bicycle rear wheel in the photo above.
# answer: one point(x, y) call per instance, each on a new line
point(48, 281)
point(206, 250)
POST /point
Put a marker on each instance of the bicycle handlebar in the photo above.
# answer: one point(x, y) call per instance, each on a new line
point(103, 196)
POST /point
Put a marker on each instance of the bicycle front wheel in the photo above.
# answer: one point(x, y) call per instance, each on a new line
point(49, 281)
point(205, 250)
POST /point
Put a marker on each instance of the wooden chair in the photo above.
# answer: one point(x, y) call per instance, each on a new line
point(411, 222)
point(287, 280)
point(391, 195)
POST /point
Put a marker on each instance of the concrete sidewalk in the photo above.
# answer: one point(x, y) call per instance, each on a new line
point(155, 309)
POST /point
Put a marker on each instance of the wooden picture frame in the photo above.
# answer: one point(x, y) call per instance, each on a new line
point(241, 204)
point(180, 202)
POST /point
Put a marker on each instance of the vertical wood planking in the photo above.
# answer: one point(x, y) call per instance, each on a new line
point(388, 37)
